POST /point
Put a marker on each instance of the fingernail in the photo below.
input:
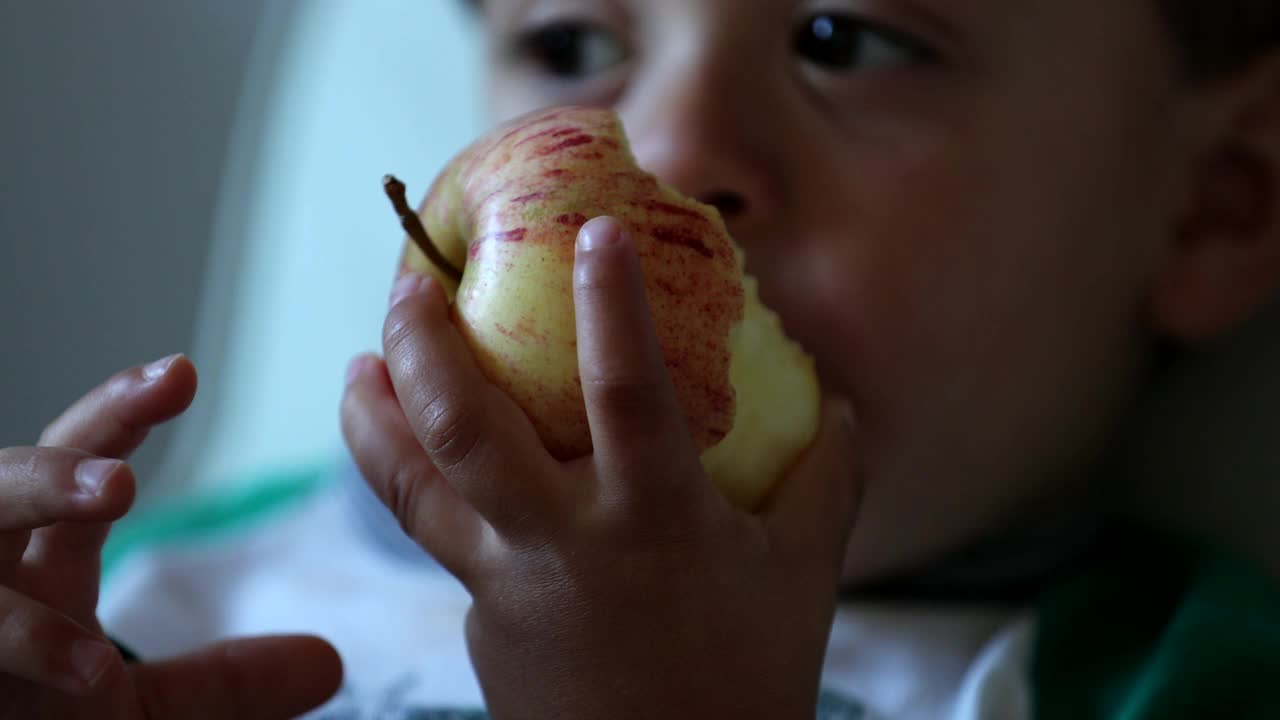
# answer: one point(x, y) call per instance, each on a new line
point(157, 369)
point(599, 233)
point(91, 475)
point(90, 659)
point(357, 368)
point(409, 284)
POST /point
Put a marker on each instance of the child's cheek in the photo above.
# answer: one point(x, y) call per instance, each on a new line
point(920, 288)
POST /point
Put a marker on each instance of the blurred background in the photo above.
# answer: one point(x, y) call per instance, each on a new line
point(204, 177)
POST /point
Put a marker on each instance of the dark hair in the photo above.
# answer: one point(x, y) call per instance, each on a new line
point(1219, 36)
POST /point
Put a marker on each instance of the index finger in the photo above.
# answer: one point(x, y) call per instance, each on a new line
point(111, 421)
point(114, 418)
point(475, 435)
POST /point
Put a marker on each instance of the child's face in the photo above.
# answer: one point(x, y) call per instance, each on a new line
point(956, 206)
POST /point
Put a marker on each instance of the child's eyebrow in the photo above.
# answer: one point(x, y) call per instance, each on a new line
point(501, 9)
point(942, 18)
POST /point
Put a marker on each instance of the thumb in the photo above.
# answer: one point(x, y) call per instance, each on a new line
point(813, 510)
point(266, 678)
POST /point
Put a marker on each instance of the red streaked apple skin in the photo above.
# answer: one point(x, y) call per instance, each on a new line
point(509, 208)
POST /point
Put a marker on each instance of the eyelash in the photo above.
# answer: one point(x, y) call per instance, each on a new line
point(870, 43)
point(556, 48)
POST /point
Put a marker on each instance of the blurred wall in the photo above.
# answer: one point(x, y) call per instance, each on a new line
point(360, 88)
point(117, 118)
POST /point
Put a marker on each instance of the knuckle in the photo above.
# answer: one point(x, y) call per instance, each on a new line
point(634, 400)
point(11, 457)
point(665, 518)
point(397, 329)
point(22, 627)
point(607, 269)
point(400, 331)
point(601, 294)
point(595, 278)
point(86, 409)
point(400, 494)
point(26, 466)
point(21, 483)
point(101, 413)
point(110, 406)
point(450, 433)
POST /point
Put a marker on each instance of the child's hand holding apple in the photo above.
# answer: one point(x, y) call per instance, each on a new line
point(611, 580)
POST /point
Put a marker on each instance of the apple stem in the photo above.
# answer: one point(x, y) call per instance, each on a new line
point(412, 224)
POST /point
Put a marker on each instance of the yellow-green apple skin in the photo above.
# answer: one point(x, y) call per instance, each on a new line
point(507, 211)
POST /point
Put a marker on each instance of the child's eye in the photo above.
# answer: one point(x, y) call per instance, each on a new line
point(841, 43)
point(571, 49)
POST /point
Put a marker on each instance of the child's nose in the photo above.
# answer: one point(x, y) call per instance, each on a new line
point(690, 133)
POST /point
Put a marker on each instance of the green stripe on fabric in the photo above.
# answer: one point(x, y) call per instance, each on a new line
point(213, 515)
point(1160, 628)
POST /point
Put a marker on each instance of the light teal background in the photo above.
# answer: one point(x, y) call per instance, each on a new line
point(360, 89)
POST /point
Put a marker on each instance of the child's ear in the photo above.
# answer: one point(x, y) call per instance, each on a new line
point(1224, 263)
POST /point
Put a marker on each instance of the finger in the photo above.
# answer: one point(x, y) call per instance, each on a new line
point(268, 678)
point(474, 433)
point(66, 498)
point(49, 649)
point(43, 486)
point(111, 421)
point(631, 406)
point(811, 514)
point(114, 418)
point(399, 471)
point(48, 488)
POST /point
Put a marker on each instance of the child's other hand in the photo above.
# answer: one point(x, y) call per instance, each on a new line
point(619, 585)
point(57, 502)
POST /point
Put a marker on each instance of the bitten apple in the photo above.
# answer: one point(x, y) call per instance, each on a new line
point(501, 223)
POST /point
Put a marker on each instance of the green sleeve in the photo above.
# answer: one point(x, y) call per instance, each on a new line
point(212, 515)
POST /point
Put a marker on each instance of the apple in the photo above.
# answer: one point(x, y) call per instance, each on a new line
point(498, 229)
